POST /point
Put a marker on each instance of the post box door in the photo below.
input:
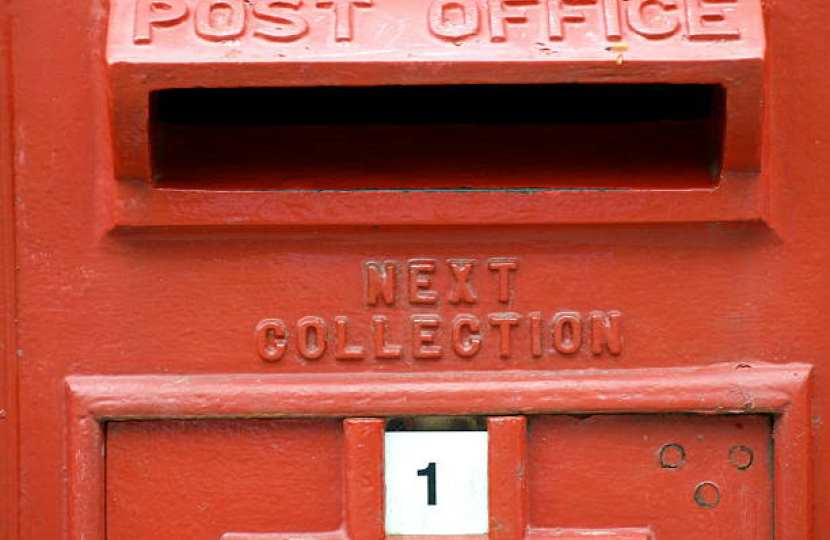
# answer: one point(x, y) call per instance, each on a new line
point(664, 476)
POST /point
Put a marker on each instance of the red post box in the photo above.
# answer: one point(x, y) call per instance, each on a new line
point(438, 269)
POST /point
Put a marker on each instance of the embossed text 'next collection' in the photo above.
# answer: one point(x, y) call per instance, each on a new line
point(399, 294)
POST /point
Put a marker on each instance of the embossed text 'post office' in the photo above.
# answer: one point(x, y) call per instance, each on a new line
point(282, 21)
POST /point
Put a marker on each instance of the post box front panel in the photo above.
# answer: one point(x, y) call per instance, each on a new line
point(159, 333)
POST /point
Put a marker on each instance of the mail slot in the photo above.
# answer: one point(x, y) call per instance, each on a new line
point(438, 43)
point(392, 105)
point(414, 270)
point(459, 137)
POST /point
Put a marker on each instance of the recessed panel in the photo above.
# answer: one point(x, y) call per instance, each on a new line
point(197, 480)
point(687, 477)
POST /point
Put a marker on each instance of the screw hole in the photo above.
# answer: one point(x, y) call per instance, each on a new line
point(707, 495)
point(672, 456)
point(741, 457)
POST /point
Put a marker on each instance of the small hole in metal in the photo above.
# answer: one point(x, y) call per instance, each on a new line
point(741, 457)
point(707, 494)
point(672, 456)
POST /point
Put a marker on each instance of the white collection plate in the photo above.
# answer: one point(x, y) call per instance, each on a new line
point(436, 482)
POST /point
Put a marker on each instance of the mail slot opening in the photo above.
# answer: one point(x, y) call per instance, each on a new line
point(445, 137)
point(436, 423)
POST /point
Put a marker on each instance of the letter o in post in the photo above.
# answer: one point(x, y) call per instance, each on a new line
point(312, 349)
point(270, 337)
point(442, 26)
point(220, 20)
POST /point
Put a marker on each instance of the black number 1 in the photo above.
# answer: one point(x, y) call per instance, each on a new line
point(431, 473)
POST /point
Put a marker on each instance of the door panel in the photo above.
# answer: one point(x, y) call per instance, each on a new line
point(688, 477)
point(196, 480)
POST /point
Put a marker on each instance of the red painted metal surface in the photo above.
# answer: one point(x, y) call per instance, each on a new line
point(171, 470)
point(211, 173)
point(166, 324)
point(8, 348)
point(401, 43)
point(733, 389)
point(706, 477)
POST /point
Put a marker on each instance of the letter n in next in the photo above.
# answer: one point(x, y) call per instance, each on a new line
point(380, 282)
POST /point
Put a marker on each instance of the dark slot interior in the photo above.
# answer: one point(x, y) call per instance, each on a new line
point(566, 136)
point(436, 423)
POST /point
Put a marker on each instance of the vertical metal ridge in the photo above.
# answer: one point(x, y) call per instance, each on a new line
point(8, 300)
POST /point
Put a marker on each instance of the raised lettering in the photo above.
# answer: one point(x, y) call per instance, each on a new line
point(462, 289)
point(287, 24)
point(270, 338)
point(383, 350)
point(466, 340)
point(503, 267)
point(420, 280)
point(558, 15)
point(312, 335)
point(380, 282)
point(567, 332)
point(606, 332)
point(501, 15)
point(342, 349)
point(444, 24)
point(424, 333)
point(709, 22)
point(505, 322)
point(536, 334)
point(220, 20)
point(611, 17)
point(343, 16)
point(152, 13)
point(661, 21)
point(427, 338)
